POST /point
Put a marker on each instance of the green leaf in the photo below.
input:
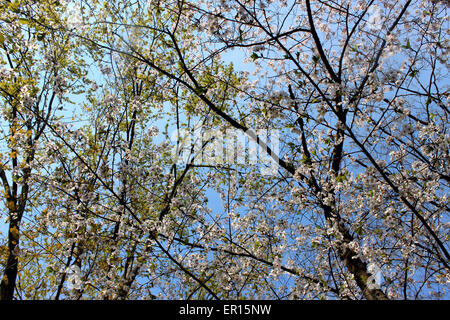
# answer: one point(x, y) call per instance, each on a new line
point(305, 160)
point(23, 21)
point(14, 6)
point(254, 56)
point(241, 38)
point(407, 45)
point(413, 73)
point(40, 36)
point(200, 90)
point(359, 230)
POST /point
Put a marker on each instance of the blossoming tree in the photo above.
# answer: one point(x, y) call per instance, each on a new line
point(358, 208)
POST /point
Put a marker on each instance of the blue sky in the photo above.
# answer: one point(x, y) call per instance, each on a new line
point(214, 203)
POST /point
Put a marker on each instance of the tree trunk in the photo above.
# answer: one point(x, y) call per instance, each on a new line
point(8, 282)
